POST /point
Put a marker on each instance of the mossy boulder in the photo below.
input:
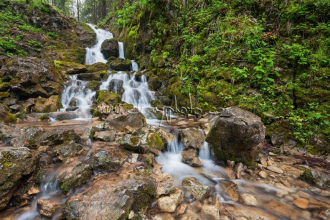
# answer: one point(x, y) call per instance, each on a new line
point(68, 149)
point(5, 116)
point(31, 77)
point(94, 85)
point(69, 68)
point(15, 164)
point(46, 105)
point(154, 141)
point(110, 48)
point(98, 76)
point(107, 97)
point(97, 67)
point(121, 64)
point(237, 135)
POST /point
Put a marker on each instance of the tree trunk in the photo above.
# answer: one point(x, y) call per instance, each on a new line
point(103, 9)
point(78, 15)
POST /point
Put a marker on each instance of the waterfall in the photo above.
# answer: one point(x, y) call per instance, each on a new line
point(121, 50)
point(134, 92)
point(48, 189)
point(77, 97)
point(93, 54)
point(205, 153)
point(135, 66)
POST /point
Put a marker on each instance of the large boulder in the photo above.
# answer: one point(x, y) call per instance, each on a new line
point(192, 137)
point(110, 48)
point(15, 163)
point(237, 134)
point(133, 118)
point(111, 198)
point(121, 64)
point(31, 77)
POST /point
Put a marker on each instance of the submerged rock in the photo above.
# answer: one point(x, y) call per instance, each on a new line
point(195, 188)
point(237, 133)
point(15, 163)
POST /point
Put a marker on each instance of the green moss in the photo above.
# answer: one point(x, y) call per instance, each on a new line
point(4, 95)
point(128, 106)
point(44, 117)
point(154, 141)
point(96, 67)
point(144, 196)
point(107, 97)
point(308, 177)
point(94, 85)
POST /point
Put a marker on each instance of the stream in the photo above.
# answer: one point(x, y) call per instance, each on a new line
point(137, 92)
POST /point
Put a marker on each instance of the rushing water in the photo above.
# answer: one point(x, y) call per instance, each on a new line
point(121, 50)
point(93, 54)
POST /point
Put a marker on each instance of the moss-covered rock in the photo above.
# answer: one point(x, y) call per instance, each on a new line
point(94, 85)
point(46, 105)
point(107, 97)
point(110, 48)
point(5, 116)
point(69, 68)
point(98, 76)
point(121, 64)
point(97, 67)
point(154, 141)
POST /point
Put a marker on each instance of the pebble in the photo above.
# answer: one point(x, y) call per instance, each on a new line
point(263, 174)
point(275, 169)
point(301, 203)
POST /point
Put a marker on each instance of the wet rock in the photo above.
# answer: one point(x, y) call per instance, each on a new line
point(46, 105)
point(107, 136)
point(121, 64)
point(181, 209)
point(263, 174)
point(164, 188)
point(110, 48)
point(69, 149)
point(74, 102)
point(69, 68)
point(238, 169)
point(47, 207)
point(316, 177)
point(10, 101)
point(133, 118)
point(116, 86)
point(97, 67)
point(61, 116)
point(237, 133)
point(301, 203)
point(166, 136)
point(169, 203)
point(192, 137)
point(275, 169)
point(108, 159)
point(195, 188)
point(107, 98)
point(59, 136)
point(31, 77)
point(248, 199)
point(111, 198)
point(23, 136)
point(210, 212)
point(15, 163)
point(97, 76)
point(230, 188)
point(73, 175)
point(189, 156)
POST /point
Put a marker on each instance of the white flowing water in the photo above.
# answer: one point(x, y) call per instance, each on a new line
point(93, 54)
point(135, 92)
point(49, 188)
point(135, 66)
point(77, 95)
point(121, 50)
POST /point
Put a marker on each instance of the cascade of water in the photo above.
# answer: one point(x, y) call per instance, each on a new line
point(135, 66)
point(77, 96)
point(93, 54)
point(205, 153)
point(121, 50)
point(135, 92)
point(48, 188)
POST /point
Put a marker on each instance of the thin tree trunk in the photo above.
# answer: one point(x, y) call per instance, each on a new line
point(78, 16)
point(103, 9)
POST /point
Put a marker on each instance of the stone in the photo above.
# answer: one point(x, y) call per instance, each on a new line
point(263, 174)
point(301, 203)
point(107, 136)
point(15, 162)
point(5, 115)
point(111, 198)
point(275, 169)
point(30, 77)
point(163, 216)
point(132, 118)
point(195, 188)
point(192, 137)
point(316, 177)
point(57, 136)
point(96, 76)
point(46, 105)
point(181, 209)
point(164, 188)
point(110, 48)
point(248, 199)
point(68, 149)
point(47, 207)
point(169, 203)
point(230, 188)
point(69, 68)
point(210, 212)
point(61, 116)
point(238, 169)
point(116, 86)
point(237, 133)
point(189, 156)
point(121, 64)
